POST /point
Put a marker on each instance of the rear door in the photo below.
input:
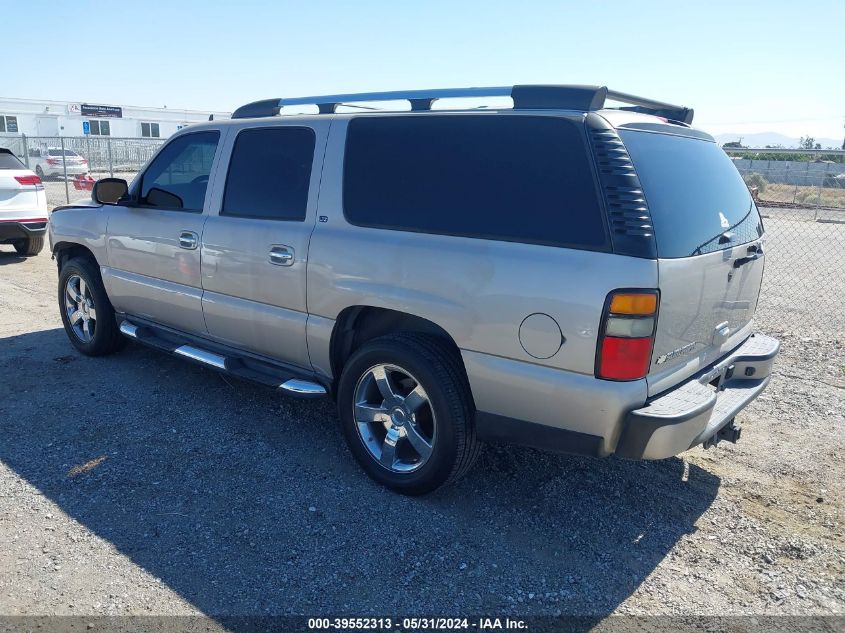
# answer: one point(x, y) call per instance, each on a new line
point(153, 241)
point(255, 248)
point(710, 253)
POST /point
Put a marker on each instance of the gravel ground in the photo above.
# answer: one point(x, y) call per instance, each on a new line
point(139, 484)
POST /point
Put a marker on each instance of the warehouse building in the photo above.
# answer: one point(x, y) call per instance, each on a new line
point(33, 117)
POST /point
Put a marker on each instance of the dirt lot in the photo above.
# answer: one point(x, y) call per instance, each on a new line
point(815, 195)
point(139, 484)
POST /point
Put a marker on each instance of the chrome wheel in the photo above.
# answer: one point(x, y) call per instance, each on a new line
point(79, 308)
point(394, 418)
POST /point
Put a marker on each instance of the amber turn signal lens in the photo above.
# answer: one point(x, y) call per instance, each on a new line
point(634, 303)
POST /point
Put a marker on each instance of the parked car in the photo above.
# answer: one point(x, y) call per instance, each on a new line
point(561, 274)
point(23, 206)
point(837, 181)
point(47, 162)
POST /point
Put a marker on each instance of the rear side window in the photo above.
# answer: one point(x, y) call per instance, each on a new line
point(513, 178)
point(269, 174)
point(9, 160)
point(697, 199)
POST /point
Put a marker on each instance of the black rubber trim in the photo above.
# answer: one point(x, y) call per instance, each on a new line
point(20, 230)
point(497, 428)
point(756, 358)
point(638, 429)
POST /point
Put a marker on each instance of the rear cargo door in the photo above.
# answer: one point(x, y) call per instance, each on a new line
point(710, 251)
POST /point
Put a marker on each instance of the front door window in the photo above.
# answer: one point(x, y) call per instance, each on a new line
point(178, 177)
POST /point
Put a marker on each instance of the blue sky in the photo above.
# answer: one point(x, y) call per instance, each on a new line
point(744, 65)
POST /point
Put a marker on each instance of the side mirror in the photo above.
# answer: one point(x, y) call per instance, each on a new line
point(109, 190)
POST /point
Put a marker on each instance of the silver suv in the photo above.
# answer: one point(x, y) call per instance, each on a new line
point(558, 274)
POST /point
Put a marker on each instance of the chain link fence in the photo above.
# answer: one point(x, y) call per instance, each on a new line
point(803, 208)
point(813, 184)
point(103, 156)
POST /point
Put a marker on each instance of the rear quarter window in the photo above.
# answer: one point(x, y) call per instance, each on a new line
point(9, 161)
point(697, 198)
point(512, 178)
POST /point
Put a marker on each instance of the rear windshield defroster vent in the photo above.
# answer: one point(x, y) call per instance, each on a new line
point(628, 211)
point(611, 155)
point(631, 229)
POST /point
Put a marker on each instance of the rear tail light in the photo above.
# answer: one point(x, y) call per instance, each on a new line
point(28, 180)
point(52, 161)
point(628, 323)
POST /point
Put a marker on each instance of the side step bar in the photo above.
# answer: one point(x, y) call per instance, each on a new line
point(279, 378)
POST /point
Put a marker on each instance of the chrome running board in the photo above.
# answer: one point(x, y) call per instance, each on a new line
point(286, 380)
point(302, 388)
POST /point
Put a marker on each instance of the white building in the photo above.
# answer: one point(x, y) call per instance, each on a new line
point(33, 117)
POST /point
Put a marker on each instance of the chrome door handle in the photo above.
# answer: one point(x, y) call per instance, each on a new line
point(188, 240)
point(281, 255)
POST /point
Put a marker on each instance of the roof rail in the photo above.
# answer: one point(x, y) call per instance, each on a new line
point(525, 97)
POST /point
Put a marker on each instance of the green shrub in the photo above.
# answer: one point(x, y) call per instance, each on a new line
point(808, 196)
point(756, 180)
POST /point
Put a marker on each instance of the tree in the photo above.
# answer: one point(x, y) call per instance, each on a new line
point(734, 145)
point(807, 142)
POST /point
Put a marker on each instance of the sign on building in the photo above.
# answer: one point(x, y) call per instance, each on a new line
point(101, 111)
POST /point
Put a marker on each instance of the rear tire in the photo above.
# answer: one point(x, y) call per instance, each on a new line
point(87, 313)
point(418, 433)
point(31, 246)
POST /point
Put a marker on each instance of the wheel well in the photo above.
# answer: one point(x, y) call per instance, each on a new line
point(358, 324)
point(64, 251)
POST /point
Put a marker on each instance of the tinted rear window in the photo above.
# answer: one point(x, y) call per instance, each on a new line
point(58, 152)
point(9, 161)
point(698, 201)
point(269, 174)
point(513, 178)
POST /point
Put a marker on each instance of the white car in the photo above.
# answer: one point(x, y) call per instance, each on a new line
point(46, 162)
point(23, 206)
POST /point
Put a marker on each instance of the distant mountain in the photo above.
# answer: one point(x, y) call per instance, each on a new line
point(761, 139)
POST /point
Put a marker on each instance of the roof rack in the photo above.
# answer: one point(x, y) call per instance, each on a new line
point(525, 97)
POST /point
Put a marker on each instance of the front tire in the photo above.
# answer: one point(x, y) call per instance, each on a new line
point(31, 246)
point(86, 311)
point(407, 414)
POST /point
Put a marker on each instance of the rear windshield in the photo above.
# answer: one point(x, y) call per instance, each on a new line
point(698, 201)
point(8, 161)
point(58, 152)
